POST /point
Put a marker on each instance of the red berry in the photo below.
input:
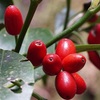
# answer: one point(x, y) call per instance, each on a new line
point(81, 85)
point(91, 37)
point(94, 58)
point(65, 47)
point(65, 85)
point(13, 20)
point(36, 52)
point(97, 30)
point(94, 35)
point(52, 64)
point(73, 62)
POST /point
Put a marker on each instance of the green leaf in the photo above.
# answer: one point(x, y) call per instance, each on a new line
point(7, 41)
point(37, 33)
point(3, 5)
point(12, 67)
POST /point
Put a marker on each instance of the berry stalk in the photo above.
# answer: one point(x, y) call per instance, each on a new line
point(87, 47)
point(79, 23)
point(32, 9)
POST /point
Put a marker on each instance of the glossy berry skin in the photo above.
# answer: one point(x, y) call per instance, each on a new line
point(52, 64)
point(94, 58)
point(73, 62)
point(36, 52)
point(81, 85)
point(65, 85)
point(91, 37)
point(94, 35)
point(65, 47)
point(13, 20)
point(97, 30)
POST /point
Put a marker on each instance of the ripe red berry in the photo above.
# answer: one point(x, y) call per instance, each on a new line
point(65, 85)
point(36, 52)
point(91, 37)
point(65, 47)
point(52, 64)
point(97, 30)
point(94, 35)
point(81, 85)
point(94, 58)
point(73, 62)
point(13, 20)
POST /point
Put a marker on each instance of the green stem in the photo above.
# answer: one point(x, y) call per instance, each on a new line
point(87, 47)
point(37, 96)
point(16, 38)
point(69, 30)
point(11, 2)
point(32, 9)
point(1, 26)
point(67, 13)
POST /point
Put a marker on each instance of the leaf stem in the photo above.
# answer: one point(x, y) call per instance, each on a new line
point(32, 9)
point(87, 47)
point(69, 30)
point(68, 2)
point(16, 38)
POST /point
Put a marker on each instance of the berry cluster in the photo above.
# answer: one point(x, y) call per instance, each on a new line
point(94, 38)
point(64, 63)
